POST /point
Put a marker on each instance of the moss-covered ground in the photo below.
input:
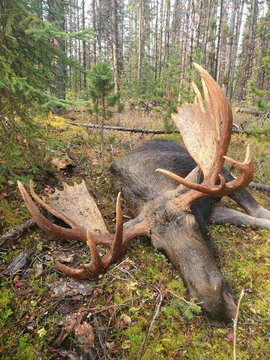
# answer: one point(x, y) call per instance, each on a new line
point(126, 299)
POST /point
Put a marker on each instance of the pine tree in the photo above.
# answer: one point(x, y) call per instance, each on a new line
point(101, 86)
point(29, 74)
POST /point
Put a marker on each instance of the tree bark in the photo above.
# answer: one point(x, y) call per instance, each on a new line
point(115, 45)
point(140, 39)
point(236, 46)
point(231, 40)
point(84, 45)
point(95, 28)
point(160, 38)
point(218, 56)
point(204, 49)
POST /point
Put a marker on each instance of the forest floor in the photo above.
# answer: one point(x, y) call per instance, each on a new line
point(45, 315)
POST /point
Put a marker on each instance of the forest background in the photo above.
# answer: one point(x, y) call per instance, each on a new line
point(48, 48)
point(128, 63)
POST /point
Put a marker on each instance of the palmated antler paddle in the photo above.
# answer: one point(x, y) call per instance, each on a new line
point(206, 131)
point(78, 210)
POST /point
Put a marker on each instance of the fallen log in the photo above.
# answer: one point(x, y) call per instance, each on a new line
point(120, 128)
point(258, 186)
point(255, 112)
point(144, 131)
point(17, 230)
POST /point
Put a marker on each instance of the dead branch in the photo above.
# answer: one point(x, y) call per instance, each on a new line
point(254, 112)
point(261, 187)
point(17, 230)
point(119, 128)
point(235, 324)
point(151, 325)
point(144, 131)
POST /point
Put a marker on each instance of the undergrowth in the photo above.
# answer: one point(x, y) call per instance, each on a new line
point(125, 299)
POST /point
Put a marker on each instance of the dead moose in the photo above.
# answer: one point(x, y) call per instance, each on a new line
point(173, 192)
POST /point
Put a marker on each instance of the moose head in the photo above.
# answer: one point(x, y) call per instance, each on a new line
point(166, 212)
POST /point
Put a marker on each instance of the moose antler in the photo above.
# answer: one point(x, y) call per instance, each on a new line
point(75, 207)
point(206, 132)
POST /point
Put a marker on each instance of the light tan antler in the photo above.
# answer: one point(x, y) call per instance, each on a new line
point(73, 205)
point(98, 264)
point(206, 131)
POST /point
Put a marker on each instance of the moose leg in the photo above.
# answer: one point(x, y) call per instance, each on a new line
point(223, 215)
point(246, 201)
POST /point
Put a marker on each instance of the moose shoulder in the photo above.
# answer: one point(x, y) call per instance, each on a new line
point(173, 192)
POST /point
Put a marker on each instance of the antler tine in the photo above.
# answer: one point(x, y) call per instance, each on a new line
point(118, 242)
point(95, 267)
point(245, 169)
point(207, 133)
point(97, 264)
point(205, 188)
point(246, 175)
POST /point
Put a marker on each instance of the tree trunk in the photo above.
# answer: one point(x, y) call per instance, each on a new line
point(250, 46)
point(102, 133)
point(231, 40)
point(198, 26)
point(140, 39)
point(204, 49)
point(218, 56)
point(176, 24)
point(84, 45)
point(236, 45)
point(94, 28)
point(167, 31)
point(56, 13)
point(115, 45)
point(185, 37)
point(160, 38)
point(192, 31)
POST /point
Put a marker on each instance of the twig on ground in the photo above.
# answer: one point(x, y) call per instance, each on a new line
point(123, 270)
point(97, 328)
point(235, 324)
point(181, 298)
point(97, 310)
point(151, 325)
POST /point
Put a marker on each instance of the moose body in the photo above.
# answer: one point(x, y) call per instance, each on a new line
point(181, 235)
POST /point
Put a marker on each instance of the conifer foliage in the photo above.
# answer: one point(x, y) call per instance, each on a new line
point(29, 78)
point(101, 86)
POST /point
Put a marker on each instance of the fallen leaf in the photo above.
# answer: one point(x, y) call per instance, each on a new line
point(84, 334)
point(18, 284)
point(125, 320)
point(65, 258)
point(126, 344)
point(230, 336)
point(41, 332)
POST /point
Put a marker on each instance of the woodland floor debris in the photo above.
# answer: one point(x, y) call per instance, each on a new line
point(120, 308)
